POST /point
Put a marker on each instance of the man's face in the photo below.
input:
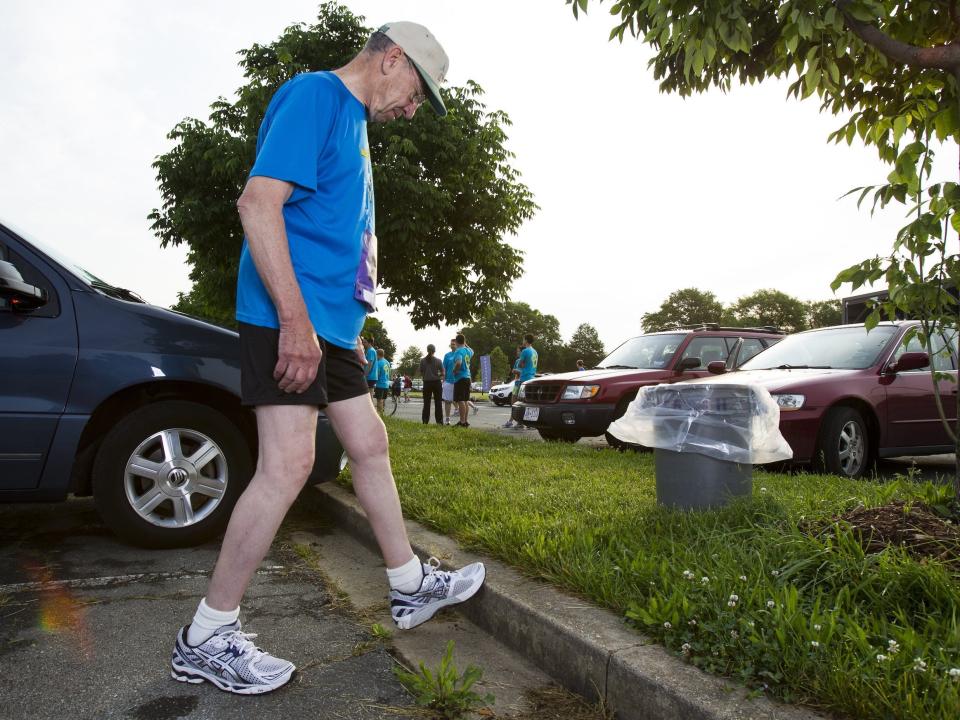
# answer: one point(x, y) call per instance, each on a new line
point(401, 91)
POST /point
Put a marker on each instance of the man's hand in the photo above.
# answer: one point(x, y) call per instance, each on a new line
point(298, 358)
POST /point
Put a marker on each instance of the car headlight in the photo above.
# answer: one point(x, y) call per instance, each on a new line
point(580, 392)
point(789, 402)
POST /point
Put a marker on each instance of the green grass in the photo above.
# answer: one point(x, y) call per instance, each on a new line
point(806, 619)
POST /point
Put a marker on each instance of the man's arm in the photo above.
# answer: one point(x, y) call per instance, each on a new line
point(261, 214)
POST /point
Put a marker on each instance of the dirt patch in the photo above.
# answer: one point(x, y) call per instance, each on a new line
point(913, 526)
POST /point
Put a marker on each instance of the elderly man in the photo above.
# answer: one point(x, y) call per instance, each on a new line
point(307, 279)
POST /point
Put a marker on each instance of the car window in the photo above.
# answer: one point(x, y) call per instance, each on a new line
point(848, 348)
point(944, 352)
point(32, 276)
point(749, 348)
point(707, 349)
point(647, 352)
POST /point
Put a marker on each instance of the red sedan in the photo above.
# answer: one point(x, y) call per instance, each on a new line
point(848, 396)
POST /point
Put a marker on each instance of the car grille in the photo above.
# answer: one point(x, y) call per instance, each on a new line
point(541, 392)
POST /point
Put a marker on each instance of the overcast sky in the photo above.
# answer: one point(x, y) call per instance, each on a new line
point(640, 193)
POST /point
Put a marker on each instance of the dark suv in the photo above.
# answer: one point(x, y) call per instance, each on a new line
point(103, 394)
point(573, 405)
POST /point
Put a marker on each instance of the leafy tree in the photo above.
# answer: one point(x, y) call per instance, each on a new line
point(689, 306)
point(505, 324)
point(373, 328)
point(500, 365)
point(769, 307)
point(586, 345)
point(891, 67)
point(445, 190)
point(410, 361)
point(824, 313)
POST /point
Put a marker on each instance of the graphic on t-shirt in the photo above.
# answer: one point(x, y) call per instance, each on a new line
point(365, 285)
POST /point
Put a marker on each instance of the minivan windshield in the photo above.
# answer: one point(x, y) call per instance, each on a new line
point(646, 352)
point(843, 348)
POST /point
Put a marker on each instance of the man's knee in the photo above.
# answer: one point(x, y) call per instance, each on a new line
point(370, 445)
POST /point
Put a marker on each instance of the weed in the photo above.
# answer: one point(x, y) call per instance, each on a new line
point(380, 632)
point(443, 689)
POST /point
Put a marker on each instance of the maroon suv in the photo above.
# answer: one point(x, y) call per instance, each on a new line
point(573, 405)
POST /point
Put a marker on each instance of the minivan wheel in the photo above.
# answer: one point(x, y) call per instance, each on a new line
point(168, 474)
point(844, 444)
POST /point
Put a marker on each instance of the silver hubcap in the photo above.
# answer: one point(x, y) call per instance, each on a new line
point(175, 478)
point(851, 448)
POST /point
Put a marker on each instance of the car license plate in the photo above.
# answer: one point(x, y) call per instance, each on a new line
point(531, 413)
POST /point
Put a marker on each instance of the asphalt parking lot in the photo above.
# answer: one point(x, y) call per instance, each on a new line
point(87, 625)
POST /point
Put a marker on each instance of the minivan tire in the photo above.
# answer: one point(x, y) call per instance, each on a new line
point(843, 446)
point(183, 504)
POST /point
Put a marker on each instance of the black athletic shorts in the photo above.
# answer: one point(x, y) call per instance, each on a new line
point(339, 376)
point(461, 390)
point(381, 393)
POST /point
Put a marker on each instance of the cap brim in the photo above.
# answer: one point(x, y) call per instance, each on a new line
point(433, 90)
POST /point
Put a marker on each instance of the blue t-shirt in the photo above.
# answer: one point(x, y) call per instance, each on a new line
point(448, 367)
point(371, 356)
point(314, 135)
point(463, 355)
point(529, 358)
point(383, 373)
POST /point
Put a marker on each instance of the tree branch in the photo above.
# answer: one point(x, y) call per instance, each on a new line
point(941, 57)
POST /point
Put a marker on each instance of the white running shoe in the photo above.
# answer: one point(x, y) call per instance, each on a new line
point(229, 660)
point(510, 424)
point(438, 589)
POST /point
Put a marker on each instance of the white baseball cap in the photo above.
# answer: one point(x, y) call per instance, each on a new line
point(425, 53)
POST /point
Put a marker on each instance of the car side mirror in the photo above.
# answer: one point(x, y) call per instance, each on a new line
point(909, 361)
point(21, 296)
point(717, 367)
point(688, 364)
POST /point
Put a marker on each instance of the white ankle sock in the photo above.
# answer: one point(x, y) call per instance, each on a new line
point(207, 621)
point(408, 577)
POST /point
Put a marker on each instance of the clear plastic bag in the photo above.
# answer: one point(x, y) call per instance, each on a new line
point(737, 423)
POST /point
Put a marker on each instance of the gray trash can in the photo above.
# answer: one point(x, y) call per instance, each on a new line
point(694, 419)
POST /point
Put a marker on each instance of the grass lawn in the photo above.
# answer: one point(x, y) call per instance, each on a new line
point(750, 591)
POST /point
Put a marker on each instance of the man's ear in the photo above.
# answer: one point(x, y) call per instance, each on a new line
point(391, 58)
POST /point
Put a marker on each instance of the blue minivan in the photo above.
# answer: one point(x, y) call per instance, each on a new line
point(103, 394)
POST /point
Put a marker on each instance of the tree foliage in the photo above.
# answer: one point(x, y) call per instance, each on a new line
point(500, 365)
point(824, 313)
point(446, 192)
point(688, 306)
point(374, 329)
point(769, 307)
point(409, 363)
point(505, 324)
point(585, 345)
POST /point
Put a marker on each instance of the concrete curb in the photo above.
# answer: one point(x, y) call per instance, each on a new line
point(586, 649)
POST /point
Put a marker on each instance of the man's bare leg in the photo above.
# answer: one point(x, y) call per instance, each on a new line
point(364, 437)
point(287, 436)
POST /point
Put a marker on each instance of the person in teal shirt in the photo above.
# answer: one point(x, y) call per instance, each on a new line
point(446, 391)
point(382, 388)
point(370, 370)
point(461, 378)
point(528, 360)
point(515, 372)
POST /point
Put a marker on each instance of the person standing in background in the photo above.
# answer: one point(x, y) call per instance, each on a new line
point(431, 370)
point(448, 382)
point(382, 388)
point(370, 370)
point(461, 377)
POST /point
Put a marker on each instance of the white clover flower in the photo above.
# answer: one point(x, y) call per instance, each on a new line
point(893, 647)
point(954, 673)
point(734, 634)
point(814, 643)
point(743, 578)
point(919, 665)
point(704, 580)
point(751, 623)
point(732, 604)
point(685, 648)
point(687, 575)
point(692, 622)
point(771, 604)
point(881, 658)
point(763, 489)
point(667, 625)
point(775, 573)
point(734, 598)
point(818, 628)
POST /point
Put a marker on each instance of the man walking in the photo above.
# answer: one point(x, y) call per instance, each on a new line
point(431, 370)
point(307, 279)
point(382, 388)
point(370, 369)
point(511, 423)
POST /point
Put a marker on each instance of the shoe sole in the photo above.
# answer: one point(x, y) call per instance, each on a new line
point(421, 616)
point(195, 676)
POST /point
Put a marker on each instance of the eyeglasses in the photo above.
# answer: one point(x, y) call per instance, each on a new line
point(417, 96)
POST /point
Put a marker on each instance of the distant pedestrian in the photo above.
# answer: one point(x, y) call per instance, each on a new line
point(515, 373)
point(370, 369)
point(431, 370)
point(461, 377)
point(448, 382)
point(407, 387)
point(527, 364)
point(396, 387)
point(580, 365)
point(382, 388)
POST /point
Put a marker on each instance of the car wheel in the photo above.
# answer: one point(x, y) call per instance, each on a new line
point(844, 443)
point(168, 474)
point(615, 442)
point(559, 436)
